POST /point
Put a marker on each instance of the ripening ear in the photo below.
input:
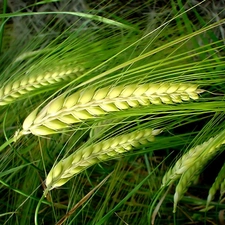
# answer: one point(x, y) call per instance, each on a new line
point(83, 104)
point(105, 150)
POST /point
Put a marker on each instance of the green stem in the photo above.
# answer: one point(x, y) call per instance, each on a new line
point(3, 24)
point(23, 194)
point(7, 143)
point(37, 209)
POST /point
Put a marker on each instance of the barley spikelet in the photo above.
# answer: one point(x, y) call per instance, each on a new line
point(105, 150)
point(209, 147)
point(216, 185)
point(11, 91)
point(103, 126)
point(63, 111)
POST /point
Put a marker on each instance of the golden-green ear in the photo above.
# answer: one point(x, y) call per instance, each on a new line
point(105, 150)
point(13, 91)
point(85, 104)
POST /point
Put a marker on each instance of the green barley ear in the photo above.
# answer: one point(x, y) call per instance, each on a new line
point(187, 178)
point(190, 158)
point(216, 185)
point(13, 90)
point(184, 163)
point(104, 150)
point(188, 172)
point(64, 111)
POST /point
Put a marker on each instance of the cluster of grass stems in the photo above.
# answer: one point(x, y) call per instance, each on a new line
point(112, 118)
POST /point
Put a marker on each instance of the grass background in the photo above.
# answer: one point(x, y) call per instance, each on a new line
point(132, 42)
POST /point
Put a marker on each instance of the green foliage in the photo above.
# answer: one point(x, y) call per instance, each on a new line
point(51, 49)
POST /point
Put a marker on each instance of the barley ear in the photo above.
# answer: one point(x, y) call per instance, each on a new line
point(216, 185)
point(104, 150)
point(13, 90)
point(185, 181)
point(186, 161)
point(66, 110)
point(190, 173)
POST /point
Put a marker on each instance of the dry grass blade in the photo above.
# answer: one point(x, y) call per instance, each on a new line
point(105, 150)
point(82, 201)
point(63, 111)
point(16, 89)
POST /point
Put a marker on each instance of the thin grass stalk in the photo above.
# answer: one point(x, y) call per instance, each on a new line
point(222, 188)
